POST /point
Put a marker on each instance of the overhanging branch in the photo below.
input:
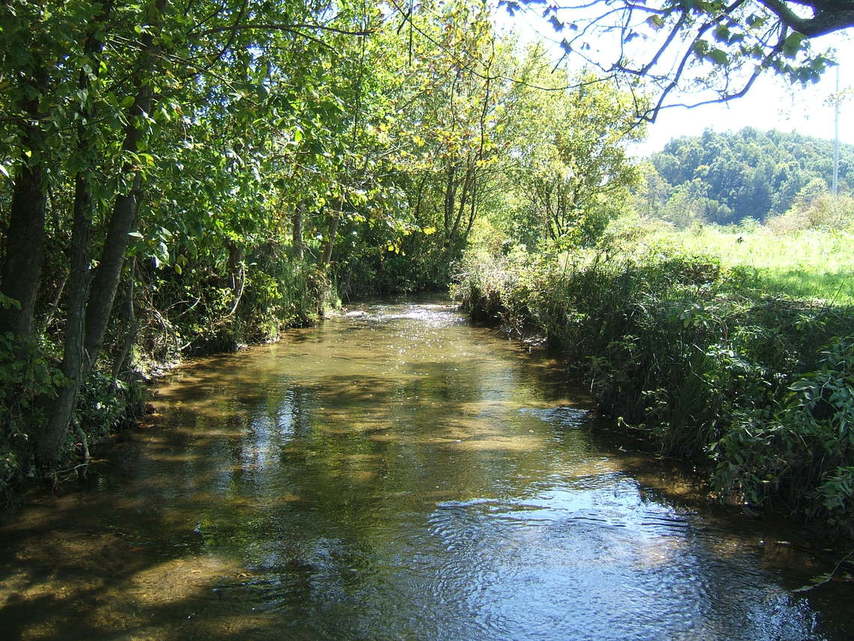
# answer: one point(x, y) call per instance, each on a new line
point(828, 16)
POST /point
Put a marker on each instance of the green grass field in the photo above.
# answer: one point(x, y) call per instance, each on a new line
point(803, 264)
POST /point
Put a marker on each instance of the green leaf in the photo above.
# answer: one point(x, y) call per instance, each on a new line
point(722, 33)
point(793, 44)
point(656, 22)
point(718, 56)
point(701, 47)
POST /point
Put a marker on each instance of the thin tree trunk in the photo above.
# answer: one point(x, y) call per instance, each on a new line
point(132, 324)
point(74, 365)
point(472, 215)
point(450, 199)
point(297, 238)
point(333, 233)
point(466, 187)
point(44, 323)
point(330, 245)
point(237, 269)
point(73, 361)
point(99, 302)
point(107, 277)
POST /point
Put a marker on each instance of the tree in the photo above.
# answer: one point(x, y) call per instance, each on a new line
point(570, 170)
point(101, 99)
point(719, 47)
point(30, 40)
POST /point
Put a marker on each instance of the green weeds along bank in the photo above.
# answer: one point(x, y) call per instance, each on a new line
point(675, 347)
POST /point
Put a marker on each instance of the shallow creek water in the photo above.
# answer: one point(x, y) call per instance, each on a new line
point(394, 474)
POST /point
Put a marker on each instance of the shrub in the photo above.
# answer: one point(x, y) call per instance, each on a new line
point(27, 376)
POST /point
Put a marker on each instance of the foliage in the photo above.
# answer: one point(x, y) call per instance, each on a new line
point(800, 449)
point(571, 172)
point(724, 178)
point(180, 178)
point(816, 210)
point(676, 349)
point(26, 376)
point(715, 49)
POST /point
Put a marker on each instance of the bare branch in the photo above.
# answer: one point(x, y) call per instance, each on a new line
point(829, 17)
point(743, 91)
point(285, 27)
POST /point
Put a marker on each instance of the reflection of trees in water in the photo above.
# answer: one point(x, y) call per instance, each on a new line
point(422, 503)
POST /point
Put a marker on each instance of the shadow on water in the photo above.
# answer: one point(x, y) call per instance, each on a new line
point(394, 475)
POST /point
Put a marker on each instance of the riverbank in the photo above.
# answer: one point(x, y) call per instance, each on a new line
point(157, 332)
point(755, 390)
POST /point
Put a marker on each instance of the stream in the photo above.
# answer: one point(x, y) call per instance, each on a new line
point(396, 474)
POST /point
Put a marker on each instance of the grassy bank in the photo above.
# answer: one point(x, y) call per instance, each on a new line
point(759, 390)
point(801, 264)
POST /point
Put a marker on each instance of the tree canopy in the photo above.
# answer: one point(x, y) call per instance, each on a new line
point(181, 176)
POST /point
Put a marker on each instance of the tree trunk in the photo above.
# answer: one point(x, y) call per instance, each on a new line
point(297, 225)
point(74, 365)
point(333, 232)
point(109, 271)
point(22, 266)
point(86, 331)
point(330, 245)
point(132, 325)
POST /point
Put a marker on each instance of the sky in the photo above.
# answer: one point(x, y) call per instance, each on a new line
point(772, 103)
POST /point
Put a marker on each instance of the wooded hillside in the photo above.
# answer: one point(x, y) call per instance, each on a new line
point(727, 177)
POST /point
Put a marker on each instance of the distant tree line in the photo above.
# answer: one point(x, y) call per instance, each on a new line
point(724, 178)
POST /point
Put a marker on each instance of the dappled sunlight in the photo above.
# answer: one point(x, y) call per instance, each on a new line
point(175, 580)
point(510, 444)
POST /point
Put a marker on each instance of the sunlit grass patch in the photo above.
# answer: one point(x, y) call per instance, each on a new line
point(803, 264)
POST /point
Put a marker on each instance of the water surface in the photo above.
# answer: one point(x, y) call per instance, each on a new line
point(394, 474)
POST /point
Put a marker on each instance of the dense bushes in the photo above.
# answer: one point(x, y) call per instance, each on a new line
point(802, 442)
point(210, 308)
point(676, 348)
